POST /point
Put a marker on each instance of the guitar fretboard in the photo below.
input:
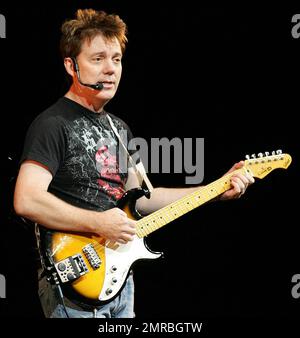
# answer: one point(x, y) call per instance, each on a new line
point(167, 214)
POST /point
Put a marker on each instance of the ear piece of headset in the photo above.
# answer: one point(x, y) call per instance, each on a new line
point(97, 86)
point(75, 66)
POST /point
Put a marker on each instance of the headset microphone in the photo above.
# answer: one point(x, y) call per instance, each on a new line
point(96, 86)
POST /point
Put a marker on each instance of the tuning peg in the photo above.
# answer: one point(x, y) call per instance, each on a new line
point(279, 152)
point(273, 153)
point(247, 157)
point(260, 155)
point(267, 153)
point(253, 156)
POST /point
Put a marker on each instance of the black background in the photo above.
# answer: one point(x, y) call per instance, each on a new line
point(226, 73)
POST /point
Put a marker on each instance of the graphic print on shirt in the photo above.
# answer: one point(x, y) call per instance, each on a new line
point(94, 161)
point(108, 167)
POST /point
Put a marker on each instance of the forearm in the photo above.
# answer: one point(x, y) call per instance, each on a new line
point(50, 211)
point(160, 197)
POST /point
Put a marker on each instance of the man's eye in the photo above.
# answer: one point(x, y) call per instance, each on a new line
point(97, 58)
point(117, 60)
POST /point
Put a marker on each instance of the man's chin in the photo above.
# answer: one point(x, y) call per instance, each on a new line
point(105, 94)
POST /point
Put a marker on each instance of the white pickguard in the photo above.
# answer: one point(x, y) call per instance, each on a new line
point(119, 259)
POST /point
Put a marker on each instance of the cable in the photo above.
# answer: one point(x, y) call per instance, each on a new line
point(62, 300)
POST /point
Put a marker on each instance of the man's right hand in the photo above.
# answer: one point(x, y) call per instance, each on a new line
point(115, 226)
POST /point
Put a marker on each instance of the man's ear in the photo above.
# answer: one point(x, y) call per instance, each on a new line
point(69, 66)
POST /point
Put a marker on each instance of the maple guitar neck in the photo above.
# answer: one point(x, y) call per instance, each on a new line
point(169, 213)
point(258, 167)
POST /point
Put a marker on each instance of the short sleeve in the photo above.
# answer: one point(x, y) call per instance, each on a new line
point(45, 143)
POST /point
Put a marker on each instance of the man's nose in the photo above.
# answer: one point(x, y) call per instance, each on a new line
point(109, 67)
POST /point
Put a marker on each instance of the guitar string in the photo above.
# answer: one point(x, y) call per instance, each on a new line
point(181, 207)
point(179, 204)
point(182, 203)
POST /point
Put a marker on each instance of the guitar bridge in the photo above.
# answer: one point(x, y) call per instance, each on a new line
point(71, 268)
point(92, 256)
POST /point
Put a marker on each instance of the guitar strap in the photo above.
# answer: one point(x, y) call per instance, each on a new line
point(139, 169)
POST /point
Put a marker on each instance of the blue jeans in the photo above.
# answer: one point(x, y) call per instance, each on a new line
point(120, 307)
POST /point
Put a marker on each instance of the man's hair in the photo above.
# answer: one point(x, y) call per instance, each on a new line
point(88, 24)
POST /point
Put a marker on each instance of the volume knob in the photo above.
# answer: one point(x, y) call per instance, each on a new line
point(108, 291)
point(113, 268)
point(61, 266)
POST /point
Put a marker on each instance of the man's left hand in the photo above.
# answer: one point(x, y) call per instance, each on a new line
point(239, 183)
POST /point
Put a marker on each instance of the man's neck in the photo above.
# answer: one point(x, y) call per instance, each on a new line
point(93, 104)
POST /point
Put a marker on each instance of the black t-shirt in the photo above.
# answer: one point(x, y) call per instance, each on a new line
point(81, 151)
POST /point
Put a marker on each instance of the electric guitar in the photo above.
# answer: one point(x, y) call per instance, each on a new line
point(96, 269)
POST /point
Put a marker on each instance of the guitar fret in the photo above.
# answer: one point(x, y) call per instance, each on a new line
point(160, 220)
point(189, 205)
point(210, 193)
point(203, 198)
point(154, 224)
point(169, 219)
point(149, 227)
point(139, 234)
point(178, 208)
point(199, 198)
point(183, 207)
point(175, 212)
point(204, 194)
point(141, 231)
point(164, 219)
point(145, 227)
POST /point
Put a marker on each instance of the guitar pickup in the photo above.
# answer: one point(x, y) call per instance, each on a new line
point(71, 268)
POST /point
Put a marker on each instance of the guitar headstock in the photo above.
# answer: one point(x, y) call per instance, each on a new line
point(262, 164)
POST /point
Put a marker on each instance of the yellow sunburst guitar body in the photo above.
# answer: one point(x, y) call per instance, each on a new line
point(95, 269)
